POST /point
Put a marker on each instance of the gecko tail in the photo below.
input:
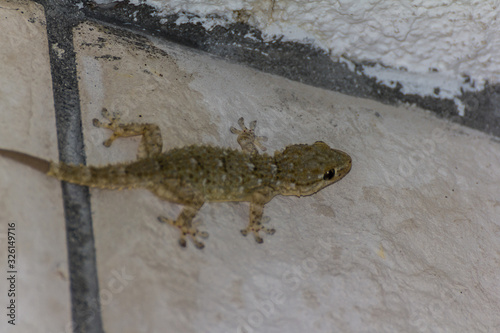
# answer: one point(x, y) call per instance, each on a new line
point(28, 160)
point(107, 177)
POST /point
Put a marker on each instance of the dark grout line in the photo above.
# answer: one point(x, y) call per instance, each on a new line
point(61, 17)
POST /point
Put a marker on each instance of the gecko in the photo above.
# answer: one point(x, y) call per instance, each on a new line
point(195, 174)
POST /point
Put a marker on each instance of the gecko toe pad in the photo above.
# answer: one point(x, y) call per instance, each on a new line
point(247, 139)
point(186, 231)
point(255, 229)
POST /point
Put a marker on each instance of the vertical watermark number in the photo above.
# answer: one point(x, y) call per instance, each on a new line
point(11, 273)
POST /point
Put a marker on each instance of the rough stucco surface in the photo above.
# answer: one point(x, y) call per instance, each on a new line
point(29, 199)
point(452, 37)
point(436, 55)
point(408, 241)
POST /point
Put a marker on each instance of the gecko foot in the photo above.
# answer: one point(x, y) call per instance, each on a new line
point(151, 143)
point(191, 232)
point(112, 125)
point(255, 228)
point(247, 138)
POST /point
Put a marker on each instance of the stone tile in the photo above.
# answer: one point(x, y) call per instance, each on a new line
point(406, 242)
point(30, 200)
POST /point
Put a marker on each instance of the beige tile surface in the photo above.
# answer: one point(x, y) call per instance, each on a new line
point(29, 199)
point(408, 241)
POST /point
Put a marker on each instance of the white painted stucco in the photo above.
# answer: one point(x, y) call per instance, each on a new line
point(438, 43)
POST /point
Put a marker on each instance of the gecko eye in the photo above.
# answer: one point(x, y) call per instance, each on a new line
point(329, 174)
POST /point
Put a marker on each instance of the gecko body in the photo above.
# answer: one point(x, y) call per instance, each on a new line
point(195, 174)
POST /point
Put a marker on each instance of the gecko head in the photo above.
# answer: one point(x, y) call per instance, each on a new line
point(305, 169)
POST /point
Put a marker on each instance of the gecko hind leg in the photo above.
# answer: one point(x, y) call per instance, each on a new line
point(151, 142)
point(187, 230)
point(171, 190)
point(247, 139)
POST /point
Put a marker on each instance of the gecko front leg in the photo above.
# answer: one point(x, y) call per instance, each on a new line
point(247, 138)
point(249, 143)
point(256, 218)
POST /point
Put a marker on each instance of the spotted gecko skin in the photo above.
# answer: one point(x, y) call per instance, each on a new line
point(195, 174)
